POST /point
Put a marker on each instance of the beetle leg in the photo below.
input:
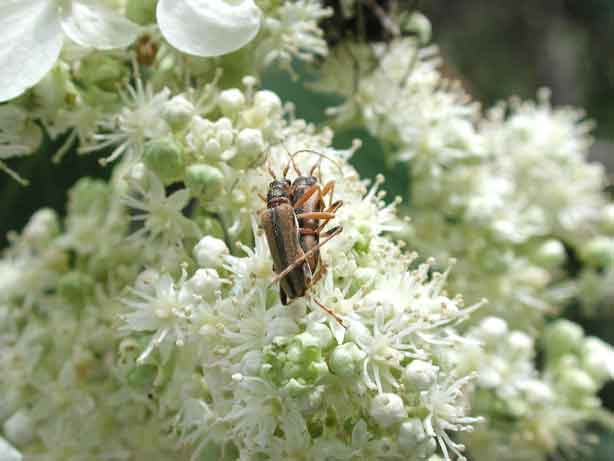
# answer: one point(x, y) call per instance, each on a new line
point(306, 196)
point(329, 187)
point(315, 215)
point(262, 197)
point(322, 269)
point(283, 296)
point(330, 312)
point(330, 234)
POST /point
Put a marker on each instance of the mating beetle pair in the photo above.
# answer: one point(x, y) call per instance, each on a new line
point(293, 222)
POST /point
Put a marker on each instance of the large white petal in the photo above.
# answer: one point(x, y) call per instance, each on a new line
point(208, 27)
point(30, 43)
point(90, 24)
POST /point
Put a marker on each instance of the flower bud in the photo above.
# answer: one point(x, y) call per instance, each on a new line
point(520, 343)
point(551, 254)
point(577, 382)
point(492, 329)
point(562, 337)
point(165, 158)
point(205, 282)
point(268, 101)
point(413, 439)
point(322, 333)
point(231, 101)
point(598, 359)
point(178, 112)
point(346, 360)
point(19, 428)
point(249, 145)
point(204, 181)
point(142, 375)
point(420, 375)
point(209, 252)
point(387, 409)
point(599, 251)
point(418, 24)
point(42, 226)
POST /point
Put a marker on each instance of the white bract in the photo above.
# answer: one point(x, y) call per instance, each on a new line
point(208, 27)
point(33, 32)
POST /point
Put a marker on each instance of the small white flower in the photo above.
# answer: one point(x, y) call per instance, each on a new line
point(33, 34)
point(208, 27)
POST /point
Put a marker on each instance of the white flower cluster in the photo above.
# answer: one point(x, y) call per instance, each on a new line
point(509, 194)
point(205, 355)
point(537, 414)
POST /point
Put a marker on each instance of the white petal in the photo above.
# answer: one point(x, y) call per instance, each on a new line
point(90, 24)
point(30, 43)
point(8, 452)
point(208, 27)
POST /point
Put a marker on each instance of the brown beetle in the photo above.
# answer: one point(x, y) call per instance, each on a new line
point(307, 196)
point(281, 227)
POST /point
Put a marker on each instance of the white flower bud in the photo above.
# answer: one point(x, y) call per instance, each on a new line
point(419, 25)
point(231, 101)
point(537, 392)
point(411, 434)
point(598, 359)
point(268, 101)
point(492, 329)
point(19, 428)
point(212, 149)
point(346, 360)
point(420, 375)
point(205, 282)
point(551, 253)
point(8, 452)
point(42, 226)
point(138, 173)
point(520, 343)
point(577, 382)
point(387, 409)
point(178, 112)
point(322, 333)
point(209, 252)
point(250, 142)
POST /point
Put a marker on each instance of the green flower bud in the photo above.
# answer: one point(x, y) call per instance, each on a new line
point(599, 251)
point(102, 70)
point(86, 195)
point(142, 375)
point(165, 158)
point(550, 254)
point(75, 287)
point(204, 181)
point(142, 12)
point(418, 24)
point(563, 337)
point(346, 360)
point(577, 382)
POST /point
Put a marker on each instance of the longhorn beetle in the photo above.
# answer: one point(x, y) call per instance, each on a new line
point(307, 196)
point(281, 227)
